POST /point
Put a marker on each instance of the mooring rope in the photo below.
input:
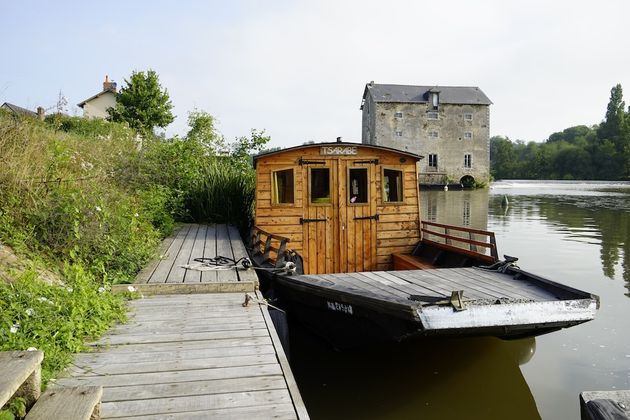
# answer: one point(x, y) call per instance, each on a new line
point(221, 263)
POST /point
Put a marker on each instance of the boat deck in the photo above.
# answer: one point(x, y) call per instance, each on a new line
point(512, 304)
point(478, 285)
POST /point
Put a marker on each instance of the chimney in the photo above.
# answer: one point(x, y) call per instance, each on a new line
point(107, 85)
point(40, 113)
point(338, 139)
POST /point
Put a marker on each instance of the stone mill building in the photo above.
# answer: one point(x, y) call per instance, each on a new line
point(448, 125)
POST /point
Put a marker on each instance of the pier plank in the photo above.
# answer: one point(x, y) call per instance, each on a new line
point(184, 356)
point(178, 273)
point(164, 267)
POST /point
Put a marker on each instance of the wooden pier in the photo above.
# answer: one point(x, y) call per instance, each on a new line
point(199, 355)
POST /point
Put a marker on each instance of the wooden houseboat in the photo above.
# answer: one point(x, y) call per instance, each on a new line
point(348, 216)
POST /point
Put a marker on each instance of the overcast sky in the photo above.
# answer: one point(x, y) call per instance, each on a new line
point(297, 69)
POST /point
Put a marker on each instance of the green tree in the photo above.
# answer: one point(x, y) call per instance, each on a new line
point(142, 103)
point(203, 131)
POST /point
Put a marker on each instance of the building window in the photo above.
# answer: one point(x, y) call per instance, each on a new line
point(398, 133)
point(468, 116)
point(467, 161)
point(282, 191)
point(398, 115)
point(432, 115)
point(435, 101)
point(392, 186)
point(433, 134)
point(433, 160)
point(468, 135)
point(358, 185)
point(320, 185)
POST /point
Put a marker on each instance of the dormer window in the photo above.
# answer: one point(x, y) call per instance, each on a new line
point(434, 99)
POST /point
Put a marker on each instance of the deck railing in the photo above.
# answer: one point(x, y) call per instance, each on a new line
point(263, 243)
point(464, 238)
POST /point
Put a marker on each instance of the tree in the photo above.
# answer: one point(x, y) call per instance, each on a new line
point(615, 130)
point(142, 103)
point(202, 131)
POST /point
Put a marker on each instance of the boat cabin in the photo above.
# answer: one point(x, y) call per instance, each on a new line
point(343, 207)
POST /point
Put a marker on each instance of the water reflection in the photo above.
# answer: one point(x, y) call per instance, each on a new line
point(437, 378)
point(461, 208)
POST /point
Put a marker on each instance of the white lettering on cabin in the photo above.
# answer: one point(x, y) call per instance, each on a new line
point(340, 307)
point(338, 150)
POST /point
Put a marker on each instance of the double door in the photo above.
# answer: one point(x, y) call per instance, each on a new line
point(340, 215)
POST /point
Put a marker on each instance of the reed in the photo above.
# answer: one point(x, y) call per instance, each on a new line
point(224, 193)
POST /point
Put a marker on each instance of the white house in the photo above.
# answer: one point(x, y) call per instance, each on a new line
point(97, 105)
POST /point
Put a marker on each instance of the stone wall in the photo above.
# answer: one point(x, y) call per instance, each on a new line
point(412, 131)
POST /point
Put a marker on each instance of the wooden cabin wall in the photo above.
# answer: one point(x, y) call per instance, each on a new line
point(398, 227)
point(283, 220)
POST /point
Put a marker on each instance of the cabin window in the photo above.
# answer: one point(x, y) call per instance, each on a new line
point(320, 185)
point(392, 185)
point(283, 191)
point(358, 185)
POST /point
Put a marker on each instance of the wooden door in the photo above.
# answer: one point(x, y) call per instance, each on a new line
point(320, 216)
point(357, 215)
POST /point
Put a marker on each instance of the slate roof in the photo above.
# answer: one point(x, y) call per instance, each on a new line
point(461, 95)
point(18, 110)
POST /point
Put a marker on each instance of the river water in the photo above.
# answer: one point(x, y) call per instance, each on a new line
point(576, 233)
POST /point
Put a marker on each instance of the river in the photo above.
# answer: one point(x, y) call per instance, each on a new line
point(576, 233)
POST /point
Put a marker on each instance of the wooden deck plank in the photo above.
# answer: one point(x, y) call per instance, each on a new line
point(198, 328)
point(164, 267)
point(194, 403)
point(199, 243)
point(178, 273)
point(187, 389)
point(224, 249)
point(210, 251)
point(173, 377)
point(276, 412)
point(106, 368)
point(427, 279)
point(145, 274)
point(171, 355)
point(469, 281)
point(168, 338)
point(494, 278)
point(20, 370)
point(228, 343)
point(67, 403)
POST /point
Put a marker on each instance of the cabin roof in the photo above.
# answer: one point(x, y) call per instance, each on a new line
point(338, 144)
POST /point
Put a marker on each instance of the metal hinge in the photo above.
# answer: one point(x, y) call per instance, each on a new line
point(374, 217)
point(302, 220)
point(374, 161)
point(311, 162)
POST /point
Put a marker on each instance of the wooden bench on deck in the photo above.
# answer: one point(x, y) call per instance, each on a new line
point(444, 249)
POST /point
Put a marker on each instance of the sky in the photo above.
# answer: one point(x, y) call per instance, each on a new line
point(297, 69)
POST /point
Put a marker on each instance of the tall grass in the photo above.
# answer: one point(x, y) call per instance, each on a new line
point(224, 193)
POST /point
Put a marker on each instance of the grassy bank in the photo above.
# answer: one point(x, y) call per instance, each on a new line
point(84, 206)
